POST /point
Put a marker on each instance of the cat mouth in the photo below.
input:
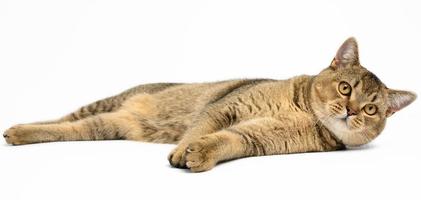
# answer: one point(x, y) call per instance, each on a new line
point(343, 117)
point(344, 120)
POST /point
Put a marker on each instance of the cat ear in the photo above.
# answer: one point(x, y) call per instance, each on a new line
point(347, 55)
point(398, 99)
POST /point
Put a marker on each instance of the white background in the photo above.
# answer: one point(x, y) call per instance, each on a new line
point(58, 55)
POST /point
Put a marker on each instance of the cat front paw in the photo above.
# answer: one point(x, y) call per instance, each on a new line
point(201, 155)
point(15, 135)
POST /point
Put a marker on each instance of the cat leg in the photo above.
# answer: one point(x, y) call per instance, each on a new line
point(106, 126)
point(129, 122)
point(205, 152)
point(255, 137)
point(203, 126)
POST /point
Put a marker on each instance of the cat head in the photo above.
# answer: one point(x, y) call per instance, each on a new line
point(351, 101)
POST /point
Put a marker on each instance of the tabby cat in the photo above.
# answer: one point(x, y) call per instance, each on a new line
point(344, 105)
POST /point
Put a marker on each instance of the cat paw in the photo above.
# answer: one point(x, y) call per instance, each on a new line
point(200, 156)
point(15, 135)
point(26, 134)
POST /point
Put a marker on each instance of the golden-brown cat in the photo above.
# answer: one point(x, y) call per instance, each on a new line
point(344, 105)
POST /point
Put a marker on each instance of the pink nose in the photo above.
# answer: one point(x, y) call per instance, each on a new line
point(350, 111)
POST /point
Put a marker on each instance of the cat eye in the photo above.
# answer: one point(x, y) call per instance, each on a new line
point(370, 109)
point(344, 88)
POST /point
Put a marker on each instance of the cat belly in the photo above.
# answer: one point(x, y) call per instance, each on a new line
point(160, 121)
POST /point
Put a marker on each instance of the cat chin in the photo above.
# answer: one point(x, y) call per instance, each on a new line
point(340, 126)
point(344, 122)
point(349, 136)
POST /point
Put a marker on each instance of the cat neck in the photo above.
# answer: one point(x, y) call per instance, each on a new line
point(326, 135)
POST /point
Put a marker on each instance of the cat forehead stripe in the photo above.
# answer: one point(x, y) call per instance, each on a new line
point(374, 98)
point(356, 83)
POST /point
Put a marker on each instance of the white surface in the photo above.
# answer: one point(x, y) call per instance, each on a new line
point(58, 55)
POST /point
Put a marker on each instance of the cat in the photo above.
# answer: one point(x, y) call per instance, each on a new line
point(345, 105)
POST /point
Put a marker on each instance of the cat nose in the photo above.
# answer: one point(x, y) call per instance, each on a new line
point(350, 111)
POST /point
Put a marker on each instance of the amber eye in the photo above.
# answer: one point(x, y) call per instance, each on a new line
point(370, 109)
point(344, 88)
